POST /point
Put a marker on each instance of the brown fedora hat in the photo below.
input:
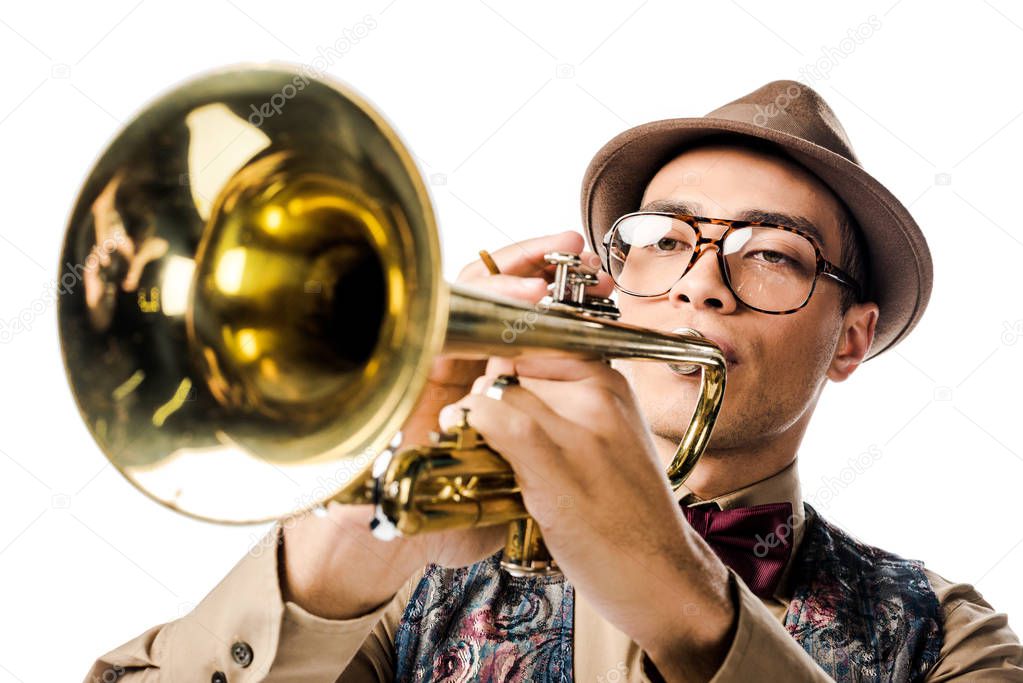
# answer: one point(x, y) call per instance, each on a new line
point(797, 119)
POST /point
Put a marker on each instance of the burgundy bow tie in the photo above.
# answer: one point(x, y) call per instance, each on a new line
point(754, 541)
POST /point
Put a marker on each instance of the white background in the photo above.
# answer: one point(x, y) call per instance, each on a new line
point(504, 105)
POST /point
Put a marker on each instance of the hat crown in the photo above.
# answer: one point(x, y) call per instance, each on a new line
point(793, 108)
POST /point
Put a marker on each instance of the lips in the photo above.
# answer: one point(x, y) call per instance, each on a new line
point(726, 349)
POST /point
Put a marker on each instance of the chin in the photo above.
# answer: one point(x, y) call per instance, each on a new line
point(668, 401)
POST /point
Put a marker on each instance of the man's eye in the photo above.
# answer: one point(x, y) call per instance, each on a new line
point(772, 256)
point(775, 259)
point(669, 244)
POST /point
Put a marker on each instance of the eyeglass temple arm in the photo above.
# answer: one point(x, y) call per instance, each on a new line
point(839, 275)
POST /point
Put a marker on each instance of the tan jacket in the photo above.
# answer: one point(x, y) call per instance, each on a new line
point(244, 632)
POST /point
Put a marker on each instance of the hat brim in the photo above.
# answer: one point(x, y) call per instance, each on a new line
point(900, 269)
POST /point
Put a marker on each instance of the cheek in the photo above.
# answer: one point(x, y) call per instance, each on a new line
point(797, 351)
point(647, 382)
point(634, 312)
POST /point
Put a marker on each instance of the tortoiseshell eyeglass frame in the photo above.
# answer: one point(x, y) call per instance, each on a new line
point(824, 267)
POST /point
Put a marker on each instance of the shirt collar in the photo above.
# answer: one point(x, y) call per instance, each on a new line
point(781, 487)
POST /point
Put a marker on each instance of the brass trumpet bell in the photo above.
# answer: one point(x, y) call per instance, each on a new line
point(256, 298)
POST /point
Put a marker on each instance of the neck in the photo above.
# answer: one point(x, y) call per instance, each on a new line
point(725, 469)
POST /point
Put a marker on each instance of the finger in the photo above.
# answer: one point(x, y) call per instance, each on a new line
point(530, 289)
point(526, 258)
point(555, 379)
point(451, 371)
point(605, 285)
point(589, 262)
point(594, 408)
point(536, 460)
point(554, 393)
point(499, 365)
point(562, 368)
point(549, 413)
point(522, 429)
point(559, 368)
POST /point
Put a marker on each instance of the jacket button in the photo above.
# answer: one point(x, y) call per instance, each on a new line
point(218, 677)
point(241, 652)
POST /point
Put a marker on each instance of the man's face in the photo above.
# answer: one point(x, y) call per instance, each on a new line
point(781, 361)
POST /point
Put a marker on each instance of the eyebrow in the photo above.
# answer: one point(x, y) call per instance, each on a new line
point(694, 209)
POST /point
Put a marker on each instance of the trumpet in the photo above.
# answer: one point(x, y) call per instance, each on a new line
point(251, 300)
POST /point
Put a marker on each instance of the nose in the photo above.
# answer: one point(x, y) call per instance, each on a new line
point(704, 285)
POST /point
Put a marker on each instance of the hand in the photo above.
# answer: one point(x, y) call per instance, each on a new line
point(591, 477)
point(333, 566)
point(524, 276)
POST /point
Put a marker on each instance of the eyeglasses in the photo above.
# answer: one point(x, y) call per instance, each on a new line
point(769, 267)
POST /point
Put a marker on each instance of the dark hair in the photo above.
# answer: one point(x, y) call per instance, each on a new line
point(854, 259)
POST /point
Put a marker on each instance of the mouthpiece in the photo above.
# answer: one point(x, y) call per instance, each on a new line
point(685, 368)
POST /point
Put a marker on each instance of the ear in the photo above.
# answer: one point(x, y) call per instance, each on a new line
point(858, 325)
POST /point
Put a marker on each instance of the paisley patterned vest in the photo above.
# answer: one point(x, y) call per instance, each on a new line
point(863, 615)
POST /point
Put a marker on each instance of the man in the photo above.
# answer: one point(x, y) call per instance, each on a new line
point(756, 226)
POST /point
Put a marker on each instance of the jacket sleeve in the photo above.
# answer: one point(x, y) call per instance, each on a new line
point(761, 649)
point(246, 632)
point(978, 644)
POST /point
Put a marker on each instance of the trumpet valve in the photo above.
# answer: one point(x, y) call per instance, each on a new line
point(568, 291)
